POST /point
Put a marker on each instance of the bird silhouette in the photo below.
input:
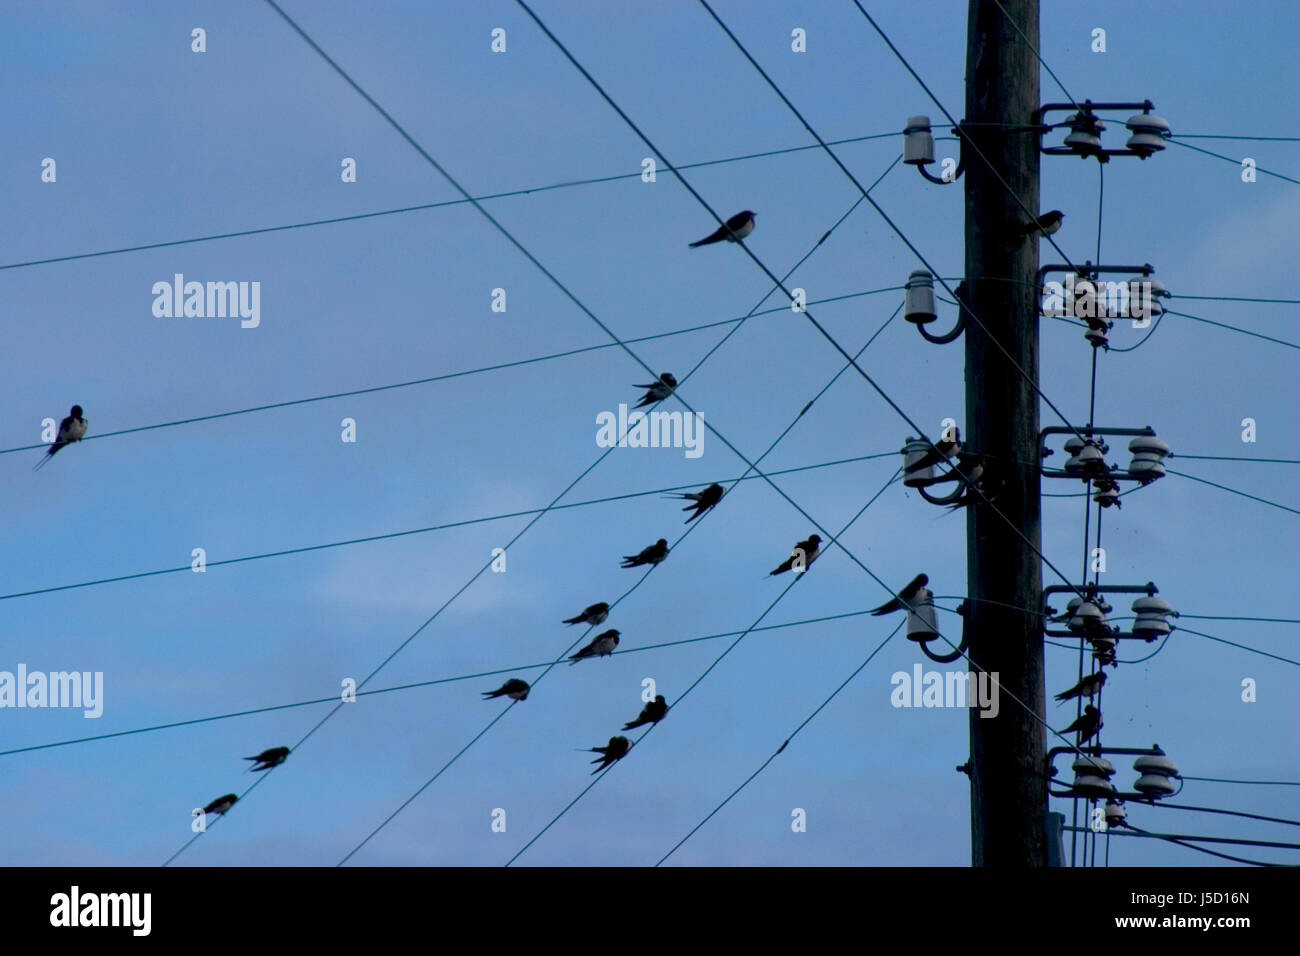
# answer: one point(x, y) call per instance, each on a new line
point(738, 227)
point(595, 614)
point(269, 758)
point(514, 688)
point(614, 750)
point(803, 554)
point(651, 713)
point(908, 594)
point(702, 501)
point(72, 428)
point(651, 554)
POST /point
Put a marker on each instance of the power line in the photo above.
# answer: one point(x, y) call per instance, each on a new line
point(1181, 837)
point(763, 766)
point(1261, 139)
point(1233, 491)
point(1255, 783)
point(1274, 461)
point(1235, 162)
point(1233, 328)
point(413, 531)
point(1244, 647)
point(1234, 298)
point(413, 686)
point(451, 375)
point(1231, 813)
point(423, 206)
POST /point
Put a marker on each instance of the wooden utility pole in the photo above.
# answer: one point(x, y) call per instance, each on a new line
point(1008, 793)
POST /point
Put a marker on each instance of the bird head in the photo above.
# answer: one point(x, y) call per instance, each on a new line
point(76, 411)
point(661, 542)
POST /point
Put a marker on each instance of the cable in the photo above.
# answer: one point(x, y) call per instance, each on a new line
point(415, 685)
point(423, 206)
point(1180, 837)
point(1244, 647)
point(1231, 813)
point(451, 375)
point(1234, 298)
point(1233, 328)
point(425, 530)
point(1257, 783)
point(1235, 162)
point(1261, 139)
point(1234, 491)
point(1225, 617)
point(1275, 461)
point(763, 766)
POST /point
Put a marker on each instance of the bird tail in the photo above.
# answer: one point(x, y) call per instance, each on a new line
point(572, 620)
point(44, 459)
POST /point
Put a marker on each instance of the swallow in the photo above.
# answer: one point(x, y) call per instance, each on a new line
point(738, 227)
point(593, 615)
point(943, 450)
point(514, 688)
point(652, 554)
point(602, 645)
point(221, 804)
point(908, 594)
point(805, 552)
point(651, 713)
point(1047, 224)
point(269, 758)
point(703, 500)
point(72, 428)
point(1087, 687)
point(614, 750)
point(1087, 725)
point(657, 391)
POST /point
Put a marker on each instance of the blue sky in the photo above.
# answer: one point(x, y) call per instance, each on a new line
point(154, 143)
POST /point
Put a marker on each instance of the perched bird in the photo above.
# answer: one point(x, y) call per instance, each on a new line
point(1086, 725)
point(1047, 224)
point(595, 614)
point(72, 428)
point(738, 227)
point(804, 553)
point(908, 594)
point(652, 554)
point(614, 750)
point(703, 500)
point(657, 391)
point(269, 758)
point(651, 713)
point(602, 645)
point(1087, 687)
point(514, 688)
point(221, 804)
point(943, 450)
